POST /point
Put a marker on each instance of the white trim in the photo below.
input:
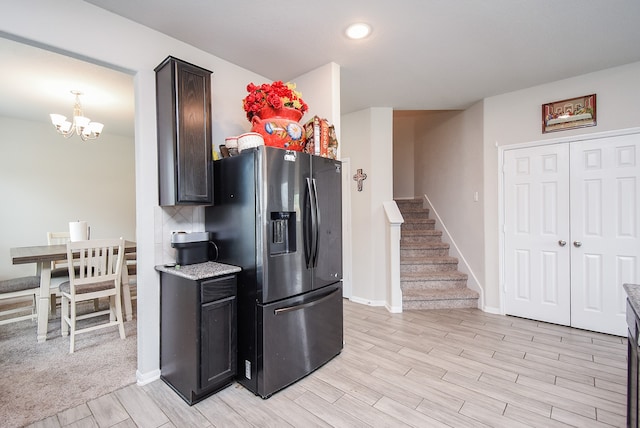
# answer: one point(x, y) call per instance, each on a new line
point(368, 302)
point(463, 265)
point(501, 150)
point(347, 244)
point(573, 139)
point(493, 310)
point(145, 378)
point(501, 281)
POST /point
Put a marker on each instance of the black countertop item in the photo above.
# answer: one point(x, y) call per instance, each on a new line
point(199, 271)
point(633, 291)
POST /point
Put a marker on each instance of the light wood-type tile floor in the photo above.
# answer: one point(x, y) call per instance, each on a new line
point(438, 368)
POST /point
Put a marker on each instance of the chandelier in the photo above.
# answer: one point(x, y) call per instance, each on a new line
point(81, 125)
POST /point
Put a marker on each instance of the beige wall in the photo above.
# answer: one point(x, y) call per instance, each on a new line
point(46, 181)
point(367, 140)
point(403, 154)
point(449, 171)
point(516, 118)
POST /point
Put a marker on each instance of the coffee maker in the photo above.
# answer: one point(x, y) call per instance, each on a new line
point(193, 247)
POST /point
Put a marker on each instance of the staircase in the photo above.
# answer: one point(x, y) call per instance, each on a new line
point(429, 277)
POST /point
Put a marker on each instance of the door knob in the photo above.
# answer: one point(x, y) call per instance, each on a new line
point(577, 244)
point(562, 242)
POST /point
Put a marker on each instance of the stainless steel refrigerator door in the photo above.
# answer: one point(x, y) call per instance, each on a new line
point(281, 256)
point(327, 183)
point(299, 335)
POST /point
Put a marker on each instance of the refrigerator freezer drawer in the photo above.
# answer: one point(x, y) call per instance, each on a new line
point(299, 335)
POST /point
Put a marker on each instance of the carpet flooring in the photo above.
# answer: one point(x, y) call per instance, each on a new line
point(41, 379)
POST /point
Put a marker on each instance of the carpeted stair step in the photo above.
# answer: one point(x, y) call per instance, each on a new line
point(408, 215)
point(418, 224)
point(429, 277)
point(439, 299)
point(424, 249)
point(419, 235)
point(409, 204)
point(428, 264)
point(447, 280)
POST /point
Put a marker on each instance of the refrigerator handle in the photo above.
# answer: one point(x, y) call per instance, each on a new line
point(320, 299)
point(308, 226)
point(316, 224)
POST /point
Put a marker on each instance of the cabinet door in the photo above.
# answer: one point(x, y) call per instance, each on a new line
point(632, 382)
point(183, 107)
point(194, 134)
point(218, 347)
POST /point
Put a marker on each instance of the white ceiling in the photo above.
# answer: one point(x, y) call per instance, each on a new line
point(422, 55)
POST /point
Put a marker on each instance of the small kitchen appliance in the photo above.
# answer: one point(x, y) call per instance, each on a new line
point(191, 247)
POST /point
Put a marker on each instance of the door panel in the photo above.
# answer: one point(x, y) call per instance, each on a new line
point(604, 230)
point(303, 333)
point(283, 264)
point(327, 176)
point(536, 221)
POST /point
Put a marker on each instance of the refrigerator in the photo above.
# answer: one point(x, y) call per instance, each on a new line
point(277, 214)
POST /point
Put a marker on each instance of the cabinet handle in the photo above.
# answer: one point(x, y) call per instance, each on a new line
point(562, 242)
point(577, 244)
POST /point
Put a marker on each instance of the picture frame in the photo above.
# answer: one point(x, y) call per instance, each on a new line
point(571, 113)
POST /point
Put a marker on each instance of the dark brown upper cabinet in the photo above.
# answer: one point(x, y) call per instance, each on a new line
point(183, 97)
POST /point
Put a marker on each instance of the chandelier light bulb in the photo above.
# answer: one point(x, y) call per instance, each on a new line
point(81, 125)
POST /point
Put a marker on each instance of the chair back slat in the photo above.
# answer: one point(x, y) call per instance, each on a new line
point(98, 260)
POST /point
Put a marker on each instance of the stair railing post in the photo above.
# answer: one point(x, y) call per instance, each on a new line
point(394, 222)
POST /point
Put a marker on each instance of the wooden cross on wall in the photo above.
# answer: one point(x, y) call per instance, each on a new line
point(360, 177)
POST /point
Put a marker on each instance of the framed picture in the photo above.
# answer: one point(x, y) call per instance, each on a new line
point(569, 114)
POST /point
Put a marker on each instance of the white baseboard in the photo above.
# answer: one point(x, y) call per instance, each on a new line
point(145, 378)
point(394, 309)
point(368, 302)
point(491, 310)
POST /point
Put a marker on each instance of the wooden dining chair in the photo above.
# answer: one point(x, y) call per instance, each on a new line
point(15, 289)
point(59, 269)
point(99, 275)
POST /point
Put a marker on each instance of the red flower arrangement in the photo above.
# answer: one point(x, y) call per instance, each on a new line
point(275, 95)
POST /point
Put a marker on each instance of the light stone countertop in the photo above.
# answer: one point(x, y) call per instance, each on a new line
point(199, 271)
point(633, 291)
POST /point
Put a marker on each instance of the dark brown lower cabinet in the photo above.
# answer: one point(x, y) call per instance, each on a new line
point(632, 367)
point(197, 334)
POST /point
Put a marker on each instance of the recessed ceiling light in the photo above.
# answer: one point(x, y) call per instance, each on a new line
point(359, 30)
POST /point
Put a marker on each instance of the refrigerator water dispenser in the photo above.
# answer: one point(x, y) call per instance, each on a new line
point(283, 232)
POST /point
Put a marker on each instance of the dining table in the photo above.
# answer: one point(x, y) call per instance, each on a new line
point(43, 255)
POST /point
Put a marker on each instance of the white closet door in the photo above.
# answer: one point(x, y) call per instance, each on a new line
point(537, 248)
point(605, 248)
